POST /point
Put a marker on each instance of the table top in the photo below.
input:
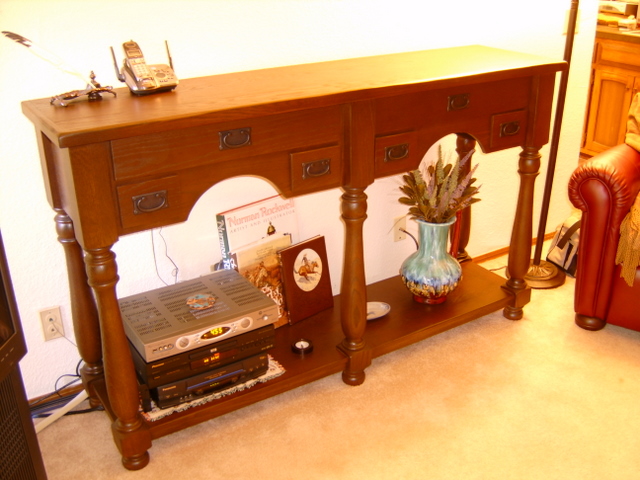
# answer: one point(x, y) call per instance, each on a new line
point(217, 98)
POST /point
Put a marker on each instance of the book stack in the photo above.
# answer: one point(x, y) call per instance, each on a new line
point(260, 240)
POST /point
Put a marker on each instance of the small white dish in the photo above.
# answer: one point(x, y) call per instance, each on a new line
point(376, 310)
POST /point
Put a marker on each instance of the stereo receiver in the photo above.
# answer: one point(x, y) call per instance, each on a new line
point(191, 314)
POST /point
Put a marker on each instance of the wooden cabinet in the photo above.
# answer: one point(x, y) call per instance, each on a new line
point(615, 81)
point(129, 164)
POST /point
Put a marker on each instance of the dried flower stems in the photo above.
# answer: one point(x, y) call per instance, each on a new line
point(441, 191)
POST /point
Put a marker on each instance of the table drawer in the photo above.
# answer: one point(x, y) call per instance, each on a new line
point(619, 54)
point(168, 152)
point(152, 203)
point(508, 129)
point(467, 108)
point(396, 153)
point(316, 169)
point(401, 152)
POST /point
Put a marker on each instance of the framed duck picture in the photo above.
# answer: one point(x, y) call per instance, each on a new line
point(305, 274)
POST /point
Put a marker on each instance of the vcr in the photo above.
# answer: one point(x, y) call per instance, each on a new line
point(187, 364)
point(211, 381)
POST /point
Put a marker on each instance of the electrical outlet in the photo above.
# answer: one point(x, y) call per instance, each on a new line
point(51, 320)
point(399, 225)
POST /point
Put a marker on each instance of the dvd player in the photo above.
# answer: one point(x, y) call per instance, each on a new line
point(187, 364)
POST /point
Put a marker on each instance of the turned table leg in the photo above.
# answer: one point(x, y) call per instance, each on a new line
point(520, 249)
point(129, 432)
point(353, 291)
point(464, 145)
point(83, 309)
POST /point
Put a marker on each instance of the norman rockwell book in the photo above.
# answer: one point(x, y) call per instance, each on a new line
point(250, 223)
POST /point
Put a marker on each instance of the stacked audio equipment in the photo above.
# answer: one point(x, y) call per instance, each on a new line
point(197, 337)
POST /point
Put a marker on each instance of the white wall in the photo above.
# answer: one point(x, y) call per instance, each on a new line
point(216, 36)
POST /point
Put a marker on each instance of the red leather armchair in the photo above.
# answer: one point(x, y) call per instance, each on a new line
point(604, 188)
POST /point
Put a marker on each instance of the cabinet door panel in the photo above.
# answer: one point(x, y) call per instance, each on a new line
point(610, 103)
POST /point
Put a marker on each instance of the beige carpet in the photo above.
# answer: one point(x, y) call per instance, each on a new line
point(538, 398)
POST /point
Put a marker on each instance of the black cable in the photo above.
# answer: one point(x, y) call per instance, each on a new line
point(414, 238)
point(99, 408)
point(46, 403)
point(41, 407)
point(58, 390)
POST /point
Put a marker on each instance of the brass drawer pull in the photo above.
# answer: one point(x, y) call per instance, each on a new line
point(396, 152)
point(149, 202)
point(240, 137)
point(458, 102)
point(317, 168)
point(509, 129)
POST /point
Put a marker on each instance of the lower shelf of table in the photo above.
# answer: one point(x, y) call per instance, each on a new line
point(478, 294)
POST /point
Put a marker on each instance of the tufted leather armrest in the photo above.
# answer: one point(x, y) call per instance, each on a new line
point(604, 188)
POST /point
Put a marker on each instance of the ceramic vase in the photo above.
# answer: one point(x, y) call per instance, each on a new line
point(431, 273)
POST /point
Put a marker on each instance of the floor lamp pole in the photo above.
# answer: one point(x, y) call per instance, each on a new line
point(543, 274)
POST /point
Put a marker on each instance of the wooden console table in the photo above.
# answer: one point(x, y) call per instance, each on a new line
point(129, 164)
